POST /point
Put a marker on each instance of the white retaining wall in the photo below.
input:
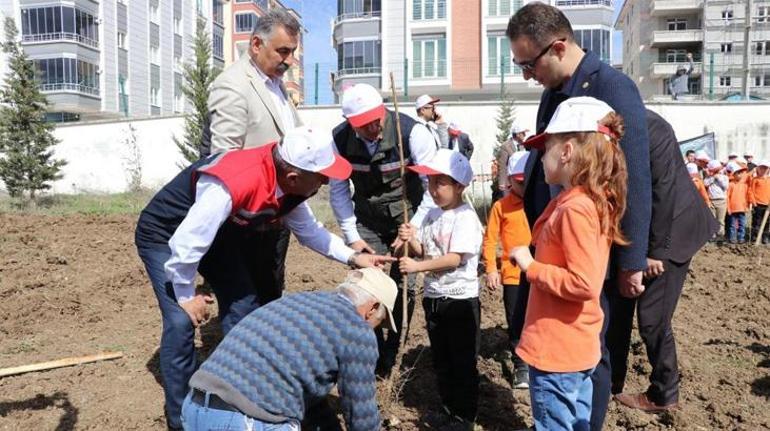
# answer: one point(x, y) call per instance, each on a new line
point(97, 157)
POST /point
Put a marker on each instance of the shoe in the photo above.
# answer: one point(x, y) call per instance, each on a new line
point(643, 403)
point(521, 378)
point(741, 241)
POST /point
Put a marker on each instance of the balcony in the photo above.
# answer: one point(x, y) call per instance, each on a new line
point(676, 37)
point(360, 71)
point(69, 88)
point(58, 37)
point(357, 15)
point(664, 70)
point(674, 7)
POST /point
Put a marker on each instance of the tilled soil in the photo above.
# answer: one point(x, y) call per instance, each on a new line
point(73, 286)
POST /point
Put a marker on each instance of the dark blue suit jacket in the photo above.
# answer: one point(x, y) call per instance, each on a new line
point(597, 79)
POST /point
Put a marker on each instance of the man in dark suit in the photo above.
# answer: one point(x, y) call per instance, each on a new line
point(681, 225)
point(544, 47)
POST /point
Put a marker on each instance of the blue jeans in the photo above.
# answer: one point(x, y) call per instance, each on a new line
point(561, 401)
point(736, 222)
point(177, 348)
point(196, 417)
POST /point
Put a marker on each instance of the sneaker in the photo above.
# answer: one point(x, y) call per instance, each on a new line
point(521, 378)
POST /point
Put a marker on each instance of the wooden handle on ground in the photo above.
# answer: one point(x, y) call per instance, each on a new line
point(59, 363)
point(762, 226)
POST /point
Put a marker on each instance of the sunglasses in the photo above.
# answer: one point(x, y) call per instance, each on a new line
point(529, 66)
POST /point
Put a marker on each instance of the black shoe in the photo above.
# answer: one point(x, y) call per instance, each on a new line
point(521, 378)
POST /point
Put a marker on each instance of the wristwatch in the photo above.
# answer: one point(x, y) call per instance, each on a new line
point(352, 260)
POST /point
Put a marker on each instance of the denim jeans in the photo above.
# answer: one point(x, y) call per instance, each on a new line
point(561, 401)
point(736, 226)
point(196, 417)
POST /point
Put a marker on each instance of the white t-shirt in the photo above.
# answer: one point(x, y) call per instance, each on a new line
point(453, 231)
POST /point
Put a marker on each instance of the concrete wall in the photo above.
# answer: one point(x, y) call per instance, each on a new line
point(97, 155)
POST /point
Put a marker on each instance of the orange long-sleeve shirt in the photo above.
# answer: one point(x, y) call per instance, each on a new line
point(507, 225)
point(760, 191)
point(702, 189)
point(738, 195)
point(564, 317)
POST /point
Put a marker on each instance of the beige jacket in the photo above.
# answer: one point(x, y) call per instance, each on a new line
point(242, 112)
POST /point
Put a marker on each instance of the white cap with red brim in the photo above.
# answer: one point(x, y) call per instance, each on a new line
point(447, 162)
point(516, 164)
point(578, 114)
point(425, 100)
point(313, 150)
point(362, 104)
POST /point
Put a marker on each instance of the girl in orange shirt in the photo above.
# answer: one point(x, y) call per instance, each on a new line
point(560, 340)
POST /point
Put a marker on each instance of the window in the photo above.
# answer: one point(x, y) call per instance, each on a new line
point(727, 15)
point(362, 56)
point(676, 55)
point(353, 8)
point(245, 22)
point(122, 40)
point(503, 7)
point(587, 2)
point(724, 81)
point(596, 40)
point(499, 57)
point(677, 24)
point(58, 74)
point(178, 94)
point(428, 9)
point(726, 47)
point(154, 14)
point(217, 11)
point(762, 48)
point(763, 13)
point(154, 96)
point(177, 25)
point(59, 22)
point(218, 46)
point(429, 58)
point(154, 54)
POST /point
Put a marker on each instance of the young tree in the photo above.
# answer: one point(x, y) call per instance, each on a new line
point(198, 76)
point(26, 139)
point(506, 114)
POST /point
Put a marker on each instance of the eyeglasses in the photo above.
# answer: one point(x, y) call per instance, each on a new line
point(529, 66)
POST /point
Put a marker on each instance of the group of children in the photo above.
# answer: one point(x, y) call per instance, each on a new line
point(734, 191)
point(559, 345)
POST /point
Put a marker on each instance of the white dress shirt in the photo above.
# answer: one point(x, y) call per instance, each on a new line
point(422, 148)
point(279, 98)
point(213, 205)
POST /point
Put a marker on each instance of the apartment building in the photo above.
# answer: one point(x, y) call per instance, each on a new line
point(658, 34)
point(454, 49)
point(240, 18)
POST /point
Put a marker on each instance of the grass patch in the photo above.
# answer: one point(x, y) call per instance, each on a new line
point(118, 203)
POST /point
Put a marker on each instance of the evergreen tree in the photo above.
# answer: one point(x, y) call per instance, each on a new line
point(198, 76)
point(505, 115)
point(26, 139)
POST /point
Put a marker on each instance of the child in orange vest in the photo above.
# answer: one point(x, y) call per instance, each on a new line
point(692, 169)
point(508, 225)
point(737, 202)
point(760, 199)
point(560, 340)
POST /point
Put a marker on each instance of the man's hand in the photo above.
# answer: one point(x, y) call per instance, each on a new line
point(522, 257)
point(630, 283)
point(407, 265)
point(365, 260)
point(361, 246)
point(493, 281)
point(197, 309)
point(654, 268)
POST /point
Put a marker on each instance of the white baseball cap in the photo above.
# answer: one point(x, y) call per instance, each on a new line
point(362, 104)
point(714, 164)
point(425, 100)
point(734, 167)
point(516, 163)
point(702, 155)
point(578, 114)
point(516, 129)
point(313, 150)
point(764, 162)
point(692, 168)
point(447, 162)
point(454, 128)
point(378, 284)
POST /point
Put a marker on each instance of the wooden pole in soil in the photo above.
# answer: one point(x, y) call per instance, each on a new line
point(59, 363)
point(395, 371)
point(762, 226)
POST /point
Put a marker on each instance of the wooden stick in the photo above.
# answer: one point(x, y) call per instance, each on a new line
point(762, 226)
point(60, 363)
point(405, 279)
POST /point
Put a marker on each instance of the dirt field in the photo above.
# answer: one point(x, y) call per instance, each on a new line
point(72, 285)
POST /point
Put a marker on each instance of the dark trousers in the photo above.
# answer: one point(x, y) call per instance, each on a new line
point(655, 309)
point(454, 330)
point(512, 295)
point(388, 342)
point(601, 375)
point(756, 220)
point(238, 285)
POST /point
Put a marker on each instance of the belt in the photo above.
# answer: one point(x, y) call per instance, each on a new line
point(199, 397)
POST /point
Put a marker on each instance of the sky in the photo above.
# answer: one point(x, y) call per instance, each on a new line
point(317, 16)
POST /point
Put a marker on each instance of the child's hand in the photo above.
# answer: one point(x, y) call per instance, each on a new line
point(406, 232)
point(522, 257)
point(407, 265)
point(493, 281)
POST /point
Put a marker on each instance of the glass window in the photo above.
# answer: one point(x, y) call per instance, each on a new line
point(492, 11)
point(245, 22)
point(492, 59)
point(417, 59)
point(429, 58)
point(68, 19)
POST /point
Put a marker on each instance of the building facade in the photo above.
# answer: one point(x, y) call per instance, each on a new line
point(453, 49)
point(658, 35)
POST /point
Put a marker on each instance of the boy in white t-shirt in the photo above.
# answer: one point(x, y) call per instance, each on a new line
point(447, 245)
